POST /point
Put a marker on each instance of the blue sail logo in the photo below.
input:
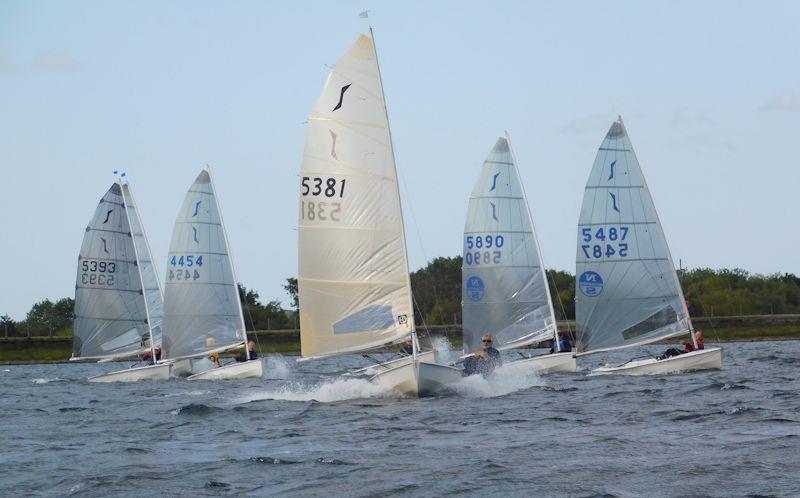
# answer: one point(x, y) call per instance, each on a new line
point(475, 288)
point(590, 283)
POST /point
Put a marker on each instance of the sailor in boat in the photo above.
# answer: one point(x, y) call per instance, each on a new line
point(688, 347)
point(407, 349)
point(483, 361)
point(564, 346)
point(148, 356)
point(251, 353)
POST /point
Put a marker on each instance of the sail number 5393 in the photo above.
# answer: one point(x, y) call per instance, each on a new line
point(604, 242)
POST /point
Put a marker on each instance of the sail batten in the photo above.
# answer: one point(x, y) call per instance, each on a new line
point(627, 292)
point(353, 282)
point(504, 285)
point(203, 310)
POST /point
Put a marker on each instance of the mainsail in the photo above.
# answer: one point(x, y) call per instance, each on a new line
point(504, 285)
point(111, 312)
point(353, 279)
point(202, 308)
point(627, 291)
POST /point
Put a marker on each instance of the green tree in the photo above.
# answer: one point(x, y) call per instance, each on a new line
point(8, 326)
point(291, 289)
point(438, 283)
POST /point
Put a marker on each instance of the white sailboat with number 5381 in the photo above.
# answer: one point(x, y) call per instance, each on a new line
point(353, 280)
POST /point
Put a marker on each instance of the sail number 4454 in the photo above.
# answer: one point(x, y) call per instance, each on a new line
point(604, 242)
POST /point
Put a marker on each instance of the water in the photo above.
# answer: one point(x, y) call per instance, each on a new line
point(307, 430)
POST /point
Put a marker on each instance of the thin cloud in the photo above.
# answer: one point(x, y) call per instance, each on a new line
point(597, 123)
point(786, 102)
point(6, 65)
point(56, 62)
point(702, 141)
point(683, 117)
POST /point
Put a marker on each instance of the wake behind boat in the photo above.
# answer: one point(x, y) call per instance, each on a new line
point(203, 310)
point(627, 291)
point(118, 301)
point(353, 279)
point(504, 283)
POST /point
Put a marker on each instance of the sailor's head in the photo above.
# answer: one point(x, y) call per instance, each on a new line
point(407, 342)
point(251, 345)
point(698, 334)
point(487, 340)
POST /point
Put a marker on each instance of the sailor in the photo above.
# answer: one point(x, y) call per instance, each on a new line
point(698, 337)
point(563, 346)
point(485, 360)
point(251, 349)
point(407, 349)
point(148, 356)
point(214, 359)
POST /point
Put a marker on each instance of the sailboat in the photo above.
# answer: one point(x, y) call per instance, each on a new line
point(353, 280)
point(202, 307)
point(118, 300)
point(627, 291)
point(504, 283)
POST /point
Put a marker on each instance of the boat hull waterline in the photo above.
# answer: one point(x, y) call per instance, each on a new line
point(425, 357)
point(704, 359)
point(253, 369)
point(544, 364)
point(418, 378)
point(148, 372)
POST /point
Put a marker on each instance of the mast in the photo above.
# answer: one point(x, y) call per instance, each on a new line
point(139, 272)
point(414, 339)
point(536, 241)
point(230, 259)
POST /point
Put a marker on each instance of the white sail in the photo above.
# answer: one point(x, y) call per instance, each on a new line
point(152, 286)
point(110, 311)
point(202, 308)
point(627, 292)
point(504, 285)
point(353, 279)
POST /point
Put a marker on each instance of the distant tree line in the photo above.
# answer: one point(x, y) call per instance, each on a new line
point(437, 292)
point(437, 299)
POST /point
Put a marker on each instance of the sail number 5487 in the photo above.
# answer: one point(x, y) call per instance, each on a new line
point(604, 242)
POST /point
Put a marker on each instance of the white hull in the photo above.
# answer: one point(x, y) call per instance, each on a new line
point(544, 364)
point(252, 369)
point(426, 357)
point(149, 372)
point(418, 378)
point(704, 359)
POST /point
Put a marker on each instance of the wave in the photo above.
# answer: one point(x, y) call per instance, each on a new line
point(500, 383)
point(276, 367)
point(340, 389)
point(47, 381)
point(195, 409)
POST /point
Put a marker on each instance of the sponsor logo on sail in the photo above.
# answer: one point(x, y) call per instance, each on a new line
point(590, 283)
point(475, 288)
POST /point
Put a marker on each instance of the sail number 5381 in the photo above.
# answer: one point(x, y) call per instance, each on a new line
point(604, 242)
point(329, 187)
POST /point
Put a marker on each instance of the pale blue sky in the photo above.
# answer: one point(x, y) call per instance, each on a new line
point(710, 93)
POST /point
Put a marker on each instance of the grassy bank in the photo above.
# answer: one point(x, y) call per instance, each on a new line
point(725, 329)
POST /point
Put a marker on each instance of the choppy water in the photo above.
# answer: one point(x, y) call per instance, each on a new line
point(307, 430)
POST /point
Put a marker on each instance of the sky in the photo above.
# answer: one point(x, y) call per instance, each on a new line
point(709, 90)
